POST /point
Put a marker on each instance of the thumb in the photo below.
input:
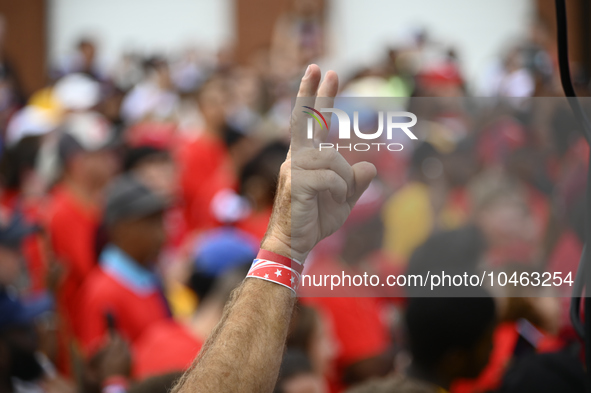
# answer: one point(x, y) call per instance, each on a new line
point(364, 172)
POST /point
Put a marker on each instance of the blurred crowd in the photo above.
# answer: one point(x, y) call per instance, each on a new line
point(133, 200)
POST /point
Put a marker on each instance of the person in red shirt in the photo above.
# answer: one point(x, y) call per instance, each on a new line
point(122, 292)
point(84, 150)
point(205, 164)
point(177, 343)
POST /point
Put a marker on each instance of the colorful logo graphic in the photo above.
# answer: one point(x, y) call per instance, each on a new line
point(316, 117)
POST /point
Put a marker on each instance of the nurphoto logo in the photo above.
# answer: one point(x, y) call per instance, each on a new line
point(394, 121)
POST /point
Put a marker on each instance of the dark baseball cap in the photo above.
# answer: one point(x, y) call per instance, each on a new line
point(15, 312)
point(128, 197)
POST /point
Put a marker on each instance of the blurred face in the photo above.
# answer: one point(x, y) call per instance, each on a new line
point(163, 77)
point(97, 168)
point(246, 89)
point(88, 51)
point(304, 383)
point(10, 267)
point(213, 103)
point(141, 238)
point(159, 174)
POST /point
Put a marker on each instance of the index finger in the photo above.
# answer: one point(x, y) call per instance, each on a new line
point(306, 98)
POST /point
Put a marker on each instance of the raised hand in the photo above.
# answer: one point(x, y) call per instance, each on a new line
point(317, 189)
point(316, 193)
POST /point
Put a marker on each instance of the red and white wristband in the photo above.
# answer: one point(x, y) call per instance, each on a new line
point(276, 268)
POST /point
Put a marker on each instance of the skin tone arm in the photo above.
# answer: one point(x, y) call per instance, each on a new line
point(316, 193)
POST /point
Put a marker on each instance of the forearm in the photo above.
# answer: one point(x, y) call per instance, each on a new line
point(243, 354)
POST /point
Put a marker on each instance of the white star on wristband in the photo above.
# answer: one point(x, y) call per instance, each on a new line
point(278, 273)
point(266, 276)
point(292, 279)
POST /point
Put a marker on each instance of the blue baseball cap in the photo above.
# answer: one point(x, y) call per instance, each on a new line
point(220, 250)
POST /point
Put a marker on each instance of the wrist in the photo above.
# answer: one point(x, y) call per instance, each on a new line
point(279, 245)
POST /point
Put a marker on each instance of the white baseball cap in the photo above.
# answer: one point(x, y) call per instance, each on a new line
point(77, 92)
point(29, 121)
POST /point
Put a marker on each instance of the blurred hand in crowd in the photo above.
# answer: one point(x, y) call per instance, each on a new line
point(115, 359)
point(112, 360)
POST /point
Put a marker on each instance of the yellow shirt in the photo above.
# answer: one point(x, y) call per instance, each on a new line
point(408, 220)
